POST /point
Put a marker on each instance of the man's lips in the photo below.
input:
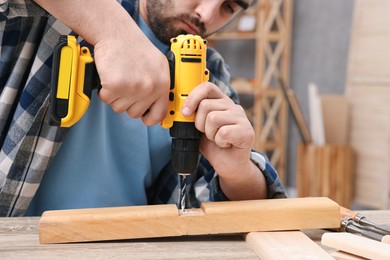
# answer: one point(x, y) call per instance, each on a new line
point(190, 28)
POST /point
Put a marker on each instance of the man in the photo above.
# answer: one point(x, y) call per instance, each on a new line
point(117, 154)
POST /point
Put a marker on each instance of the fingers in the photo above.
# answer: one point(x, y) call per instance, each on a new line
point(151, 108)
point(128, 104)
point(157, 112)
point(218, 117)
point(206, 90)
point(212, 113)
point(226, 126)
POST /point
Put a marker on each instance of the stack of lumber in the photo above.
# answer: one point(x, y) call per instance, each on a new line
point(325, 166)
point(368, 92)
point(326, 170)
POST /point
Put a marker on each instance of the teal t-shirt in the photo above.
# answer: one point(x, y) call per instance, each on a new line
point(107, 159)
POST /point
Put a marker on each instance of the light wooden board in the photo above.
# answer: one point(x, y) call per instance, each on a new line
point(296, 112)
point(284, 245)
point(298, 116)
point(339, 255)
point(369, 138)
point(164, 220)
point(315, 114)
point(357, 245)
point(368, 88)
point(335, 115)
point(369, 57)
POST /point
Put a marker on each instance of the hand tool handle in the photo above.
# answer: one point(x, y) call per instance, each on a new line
point(344, 212)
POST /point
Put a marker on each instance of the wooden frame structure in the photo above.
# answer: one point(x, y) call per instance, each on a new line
point(272, 66)
point(270, 116)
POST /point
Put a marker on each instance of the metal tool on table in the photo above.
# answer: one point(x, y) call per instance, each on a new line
point(356, 223)
point(74, 76)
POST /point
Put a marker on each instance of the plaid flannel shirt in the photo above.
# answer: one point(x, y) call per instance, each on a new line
point(28, 143)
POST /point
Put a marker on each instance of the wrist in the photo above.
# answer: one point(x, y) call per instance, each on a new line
point(248, 183)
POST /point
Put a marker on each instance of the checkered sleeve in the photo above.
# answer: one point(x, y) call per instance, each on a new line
point(27, 141)
point(27, 8)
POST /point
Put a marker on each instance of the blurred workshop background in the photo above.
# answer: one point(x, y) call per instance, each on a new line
point(314, 77)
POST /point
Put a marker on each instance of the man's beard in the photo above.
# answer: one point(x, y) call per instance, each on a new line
point(164, 27)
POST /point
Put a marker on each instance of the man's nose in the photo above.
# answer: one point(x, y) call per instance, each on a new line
point(207, 10)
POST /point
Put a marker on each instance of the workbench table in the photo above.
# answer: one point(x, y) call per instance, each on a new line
point(19, 240)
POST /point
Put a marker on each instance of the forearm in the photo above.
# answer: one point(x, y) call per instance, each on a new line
point(94, 21)
point(249, 184)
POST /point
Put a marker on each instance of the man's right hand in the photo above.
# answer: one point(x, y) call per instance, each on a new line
point(134, 73)
point(137, 84)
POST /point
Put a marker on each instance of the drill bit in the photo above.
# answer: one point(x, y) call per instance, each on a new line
point(183, 192)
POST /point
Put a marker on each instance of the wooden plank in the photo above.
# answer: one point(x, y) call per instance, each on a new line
point(339, 255)
point(335, 115)
point(325, 171)
point(296, 112)
point(165, 220)
point(315, 114)
point(300, 120)
point(284, 245)
point(386, 239)
point(369, 57)
point(369, 135)
point(368, 88)
point(357, 245)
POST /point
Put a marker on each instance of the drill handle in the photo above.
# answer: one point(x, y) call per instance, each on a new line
point(73, 78)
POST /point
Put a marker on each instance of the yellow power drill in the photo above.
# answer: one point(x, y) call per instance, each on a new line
point(74, 76)
point(187, 62)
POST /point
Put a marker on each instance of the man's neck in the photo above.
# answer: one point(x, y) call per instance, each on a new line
point(143, 10)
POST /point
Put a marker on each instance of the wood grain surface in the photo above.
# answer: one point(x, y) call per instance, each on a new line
point(101, 224)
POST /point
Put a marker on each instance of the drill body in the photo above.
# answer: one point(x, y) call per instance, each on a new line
point(74, 76)
point(187, 61)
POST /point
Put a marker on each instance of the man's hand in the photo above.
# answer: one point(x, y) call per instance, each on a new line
point(227, 141)
point(134, 73)
point(137, 84)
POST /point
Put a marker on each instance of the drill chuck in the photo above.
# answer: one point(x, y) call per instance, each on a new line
point(185, 147)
